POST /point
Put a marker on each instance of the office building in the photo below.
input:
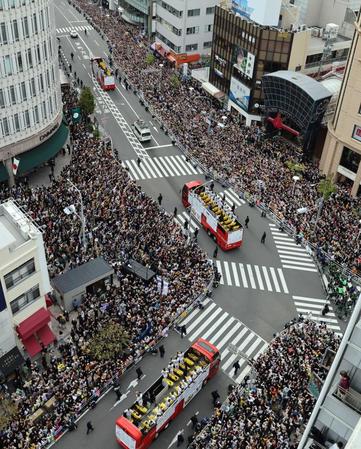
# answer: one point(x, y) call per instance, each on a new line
point(31, 128)
point(24, 283)
point(138, 12)
point(341, 154)
point(248, 45)
point(185, 26)
point(337, 413)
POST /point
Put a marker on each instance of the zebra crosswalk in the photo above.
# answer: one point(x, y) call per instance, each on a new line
point(160, 167)
point(313, 307)
point(250, 276)
point(234, 340)
point(293, 256)
point(75, 28)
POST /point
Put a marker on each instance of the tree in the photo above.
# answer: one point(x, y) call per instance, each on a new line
point(109, 343)
point(8, 410)
point(295, 167)
point(175, 81)
point(86, 101)
point(326, 188)
point(150, 58)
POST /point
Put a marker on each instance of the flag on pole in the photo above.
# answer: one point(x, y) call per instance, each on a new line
point(15, 165)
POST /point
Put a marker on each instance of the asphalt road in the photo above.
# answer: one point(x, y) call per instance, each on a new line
point(263, 285)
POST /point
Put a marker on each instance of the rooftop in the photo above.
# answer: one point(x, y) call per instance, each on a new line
point(16, 227)
point(84, 274)
point(309, 85)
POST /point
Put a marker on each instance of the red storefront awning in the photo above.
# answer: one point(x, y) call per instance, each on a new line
point(32, 324)
point(32, 346)
point(45, 335)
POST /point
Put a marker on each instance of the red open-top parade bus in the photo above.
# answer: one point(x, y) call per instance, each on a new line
point(184, 377)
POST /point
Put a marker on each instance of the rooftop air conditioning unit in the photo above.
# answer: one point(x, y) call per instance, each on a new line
point(303, 27)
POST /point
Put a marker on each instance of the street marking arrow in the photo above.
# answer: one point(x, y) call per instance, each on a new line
point(124, 396)
point(190, 422)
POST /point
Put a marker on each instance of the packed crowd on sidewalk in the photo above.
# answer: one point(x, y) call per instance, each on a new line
point(122, 223)
point(232, 151)
point(270, 410)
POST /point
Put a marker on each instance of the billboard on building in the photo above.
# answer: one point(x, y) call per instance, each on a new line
point(239, 93)
point(264, 12)
point(357, 133)
point(243, 61)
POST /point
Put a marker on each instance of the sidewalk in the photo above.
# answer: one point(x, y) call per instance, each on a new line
point(41, 176)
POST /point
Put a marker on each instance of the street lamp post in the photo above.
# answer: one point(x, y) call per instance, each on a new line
point(82, 216)
point(295, 180)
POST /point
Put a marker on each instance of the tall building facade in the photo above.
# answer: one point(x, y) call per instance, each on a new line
point(24, 283)
point(185, 26)
point(337, 413)
point(341, 156)
point(30, 97)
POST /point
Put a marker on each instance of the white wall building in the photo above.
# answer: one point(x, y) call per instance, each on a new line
point(30, 97)
point(185, 26)
point(24, 282)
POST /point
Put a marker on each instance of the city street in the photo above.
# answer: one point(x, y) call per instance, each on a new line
point(262, 285)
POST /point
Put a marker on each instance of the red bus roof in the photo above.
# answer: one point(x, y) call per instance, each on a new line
point(130, 428)
point(206, 348)
point(192, 184)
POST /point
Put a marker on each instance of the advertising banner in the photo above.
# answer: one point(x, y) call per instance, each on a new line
point(243, 61)
point(263, 12)
point(357, 133)
point(239, 93)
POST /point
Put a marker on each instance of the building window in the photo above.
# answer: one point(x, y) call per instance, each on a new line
point(42, 20)
point(25, 27)
point(25, 299)
point(35, 23)
point(172, 10)
point(5, 123)
point(359, 109)
point(12, 95)
point(32, 87)
point(20, 273)
point(38, 57)
point(30, 58)
point(350, 159)
point(4, 35)
point(15, 30)
point(45, 114)
point(208, 28)
point(194, 12)
point(8, 65)
point(2, 99)
point(27, 119)
point(45, 51)
point(210, 10)
point(36, 114)
point(24, 96)
point(192, 47)
point(19, 59)
point(193, 30)
point(16, 123)
point(41, 82)
point(207, 44)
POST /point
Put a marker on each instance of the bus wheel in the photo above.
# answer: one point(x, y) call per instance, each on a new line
point(167, 425)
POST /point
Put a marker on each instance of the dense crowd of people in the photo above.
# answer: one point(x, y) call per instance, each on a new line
point(232, 151)
point(121, 223)
point(270, 410)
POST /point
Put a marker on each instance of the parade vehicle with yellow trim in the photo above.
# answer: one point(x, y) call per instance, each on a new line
point(103, 73)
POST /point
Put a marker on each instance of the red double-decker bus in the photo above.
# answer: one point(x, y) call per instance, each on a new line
point(184, 377)
point(103, 74)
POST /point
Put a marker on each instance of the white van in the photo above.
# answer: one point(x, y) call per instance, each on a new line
point(142, 131)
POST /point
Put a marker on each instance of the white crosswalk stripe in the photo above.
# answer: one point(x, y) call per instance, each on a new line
point(252, 276)
point(75, 28)
point(232, 198)
point(223, 330)
point(183, 217)
point(293, 256)
point(160, 167)
point(314, 307)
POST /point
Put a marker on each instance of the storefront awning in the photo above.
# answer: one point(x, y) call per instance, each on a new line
point(212, 90)
point(32, 324)
point(32, 346)
point(43, 152)
point(3, 173)
point(45, 335)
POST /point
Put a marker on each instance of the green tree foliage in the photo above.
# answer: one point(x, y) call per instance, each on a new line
point(86, 101)
point(150, 58)
point(109, 343)
point(175, 81)
point(326, 188)
point(295, 167)
point(7, 411)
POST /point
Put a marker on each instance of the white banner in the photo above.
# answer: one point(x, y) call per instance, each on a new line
point(165, 287)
